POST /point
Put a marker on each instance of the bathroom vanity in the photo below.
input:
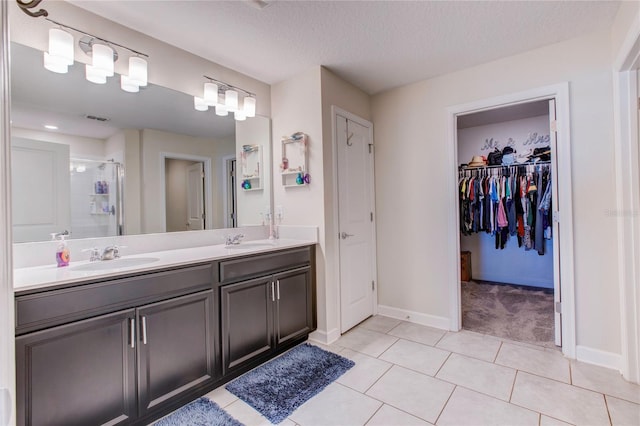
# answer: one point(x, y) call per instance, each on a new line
point(129, 347)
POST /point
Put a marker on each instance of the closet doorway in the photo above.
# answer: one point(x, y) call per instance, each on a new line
point(511, 168)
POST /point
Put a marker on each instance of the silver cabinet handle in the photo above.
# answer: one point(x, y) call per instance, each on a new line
point(144, 330)
point(344, 235)
point(278, 288)
point(273, 293)
point(132, 332)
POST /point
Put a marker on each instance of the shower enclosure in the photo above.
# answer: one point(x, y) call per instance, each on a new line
point(96, 198)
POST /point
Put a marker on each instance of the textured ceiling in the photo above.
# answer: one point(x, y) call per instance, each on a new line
point(376, 45)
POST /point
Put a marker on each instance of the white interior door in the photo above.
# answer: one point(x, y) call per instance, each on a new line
point(195, 197)
point(557, 295)
point(40, 189)
point(356, 227)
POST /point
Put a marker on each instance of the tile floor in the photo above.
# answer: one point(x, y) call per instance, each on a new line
point(406, 374)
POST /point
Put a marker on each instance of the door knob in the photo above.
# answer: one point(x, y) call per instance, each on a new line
point(344, 235)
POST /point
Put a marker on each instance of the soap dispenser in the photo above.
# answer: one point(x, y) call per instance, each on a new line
point(62, 250)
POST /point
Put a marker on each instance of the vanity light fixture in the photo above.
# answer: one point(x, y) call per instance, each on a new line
point(61, 53)
point(226, 98)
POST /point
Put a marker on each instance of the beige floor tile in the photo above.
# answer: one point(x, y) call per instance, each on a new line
point(471, 344)
point(246, 414)
point(414, 393)
point(604, 380)
point(561, 401)
point(380, 323)
point(466, 407)
point(550, 421)
point(485, 377)
point(416, 356)
point(623, 413)
point(221, 396)
point(366, 341)
point(389, 416)
point(547, 364)
point(336, 405)
point(336, 349)
point(418, 333)
point(365, 373)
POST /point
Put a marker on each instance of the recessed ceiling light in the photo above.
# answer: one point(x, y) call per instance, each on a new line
point(50, 127)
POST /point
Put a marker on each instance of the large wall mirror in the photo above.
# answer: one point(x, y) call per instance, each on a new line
point(124, 163)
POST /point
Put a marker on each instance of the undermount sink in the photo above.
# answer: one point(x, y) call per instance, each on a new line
point(105, 265)
point(249, 245)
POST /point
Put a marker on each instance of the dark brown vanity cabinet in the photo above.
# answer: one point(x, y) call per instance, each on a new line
point(119, 367)
point(261, 316)
point(81, 373)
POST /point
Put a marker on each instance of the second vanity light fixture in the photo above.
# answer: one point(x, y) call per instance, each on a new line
point(103, 56)
point(224, 97)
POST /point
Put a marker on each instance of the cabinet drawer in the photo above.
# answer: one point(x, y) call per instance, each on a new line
point(255, 266)
point(49, 308)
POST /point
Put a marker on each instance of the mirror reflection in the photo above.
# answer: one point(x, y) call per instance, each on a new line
point(98, 161)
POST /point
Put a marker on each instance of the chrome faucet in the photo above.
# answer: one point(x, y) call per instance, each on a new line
point(108, 253)
point(233, 240)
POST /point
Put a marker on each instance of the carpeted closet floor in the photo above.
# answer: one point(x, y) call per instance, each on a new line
point(513, 312)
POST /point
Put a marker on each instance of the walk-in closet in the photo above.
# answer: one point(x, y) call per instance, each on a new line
point(506, 193)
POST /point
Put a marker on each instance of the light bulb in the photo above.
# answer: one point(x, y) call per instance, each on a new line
point(103, 58)
point(239, 116)
point(211, 94)
point(128, 85)
point(61, 45)
point(250, 106)
point(222, 110)
point(55, 64)
point(95, 75)
point(231, 100)
point(200, 104)
point(138, 71)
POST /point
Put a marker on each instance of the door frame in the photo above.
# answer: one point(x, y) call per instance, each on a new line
point(226, 162)
point(626, 67)
point(7, 327)
point(332, 236)
point(208, 196)
point(559, 92)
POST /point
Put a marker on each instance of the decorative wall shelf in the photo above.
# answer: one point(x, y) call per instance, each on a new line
point(251, 170)
point(294, 168)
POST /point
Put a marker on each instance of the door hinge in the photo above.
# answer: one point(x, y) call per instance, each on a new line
point(558, 307)
point(556, 216)
point(202, 175)
point(371, 215)
point(232, 173)
point(554, 126)
point(373, 286)
point(370, 148)
point(203, 216)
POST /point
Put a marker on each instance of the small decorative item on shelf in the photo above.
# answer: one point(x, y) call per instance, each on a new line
point(299, 179)
point(307, 179)
point(284, 165)
point(246, 184)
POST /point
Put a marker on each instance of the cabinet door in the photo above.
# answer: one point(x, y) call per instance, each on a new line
point(294, 310)
point(247, 321)
point(81, 373)
point(175, 348)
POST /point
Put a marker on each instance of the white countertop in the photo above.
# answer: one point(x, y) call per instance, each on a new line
point(50, 275)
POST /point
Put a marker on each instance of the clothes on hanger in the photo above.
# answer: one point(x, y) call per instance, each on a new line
point(508, 203)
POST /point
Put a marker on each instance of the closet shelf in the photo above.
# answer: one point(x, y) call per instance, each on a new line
point(537, 163)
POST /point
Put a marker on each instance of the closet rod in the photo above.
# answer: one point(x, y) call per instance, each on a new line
point(537, 163)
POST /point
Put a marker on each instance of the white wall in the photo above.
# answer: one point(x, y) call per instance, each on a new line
point(153, 143)
point(79, 146)
point(411, 193)
point(303, 104)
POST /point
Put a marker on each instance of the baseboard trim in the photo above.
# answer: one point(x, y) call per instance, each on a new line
point(414, 317)
point(324, 337)
point(598, 357)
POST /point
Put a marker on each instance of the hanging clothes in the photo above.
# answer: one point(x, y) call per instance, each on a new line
point(507, 203)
